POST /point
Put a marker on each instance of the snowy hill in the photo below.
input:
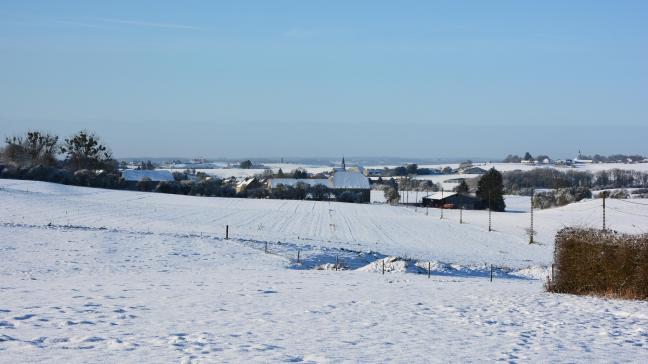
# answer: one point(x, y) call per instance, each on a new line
point(91, 275)
point(400, 231)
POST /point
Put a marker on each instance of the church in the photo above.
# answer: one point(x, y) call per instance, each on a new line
point(345, 183)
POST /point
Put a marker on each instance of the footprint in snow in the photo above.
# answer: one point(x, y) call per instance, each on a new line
point(24, 317)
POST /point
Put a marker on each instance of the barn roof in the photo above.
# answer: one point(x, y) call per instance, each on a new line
point(439, 195)
point(154, 175)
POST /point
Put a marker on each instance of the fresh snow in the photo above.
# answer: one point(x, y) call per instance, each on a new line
point(92, 275)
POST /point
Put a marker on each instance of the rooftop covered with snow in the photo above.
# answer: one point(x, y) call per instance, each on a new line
point(349, 180)
point(137, 175)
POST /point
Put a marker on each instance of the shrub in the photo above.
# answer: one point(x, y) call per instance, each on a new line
point(560, 197)
point(619, 194)
point(145, 184)
point(605, 263)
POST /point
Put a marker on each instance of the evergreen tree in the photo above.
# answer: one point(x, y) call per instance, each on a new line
point(528, 156)
point(391, 195)
point(299, 173)
point(490, 191)
point(462, 187)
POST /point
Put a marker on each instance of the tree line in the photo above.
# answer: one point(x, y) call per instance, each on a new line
point(596, 158)
point(83, 150)
point(521, 182)
point(84, 160)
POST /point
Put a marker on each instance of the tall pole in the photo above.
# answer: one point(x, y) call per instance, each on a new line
point(604, 195)
point(531, 230)
point(441, 202)
point(489, 212)
point(427, 207)
point(460, 208)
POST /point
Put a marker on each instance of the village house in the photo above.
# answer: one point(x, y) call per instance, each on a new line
point(247, 184)
point(374, 172)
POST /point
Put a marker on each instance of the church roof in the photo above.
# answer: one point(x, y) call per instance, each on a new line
point(350, 180)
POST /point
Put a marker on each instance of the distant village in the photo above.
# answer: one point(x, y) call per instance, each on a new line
point(86, 161)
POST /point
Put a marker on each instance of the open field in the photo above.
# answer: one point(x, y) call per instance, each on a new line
point(94, 275)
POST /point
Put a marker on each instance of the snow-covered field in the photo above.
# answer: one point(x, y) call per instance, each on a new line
point(288, 167)
point(91, 275)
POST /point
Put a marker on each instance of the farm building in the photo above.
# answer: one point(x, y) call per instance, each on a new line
point(450, 200)
point(345, 183)
point(136, 175)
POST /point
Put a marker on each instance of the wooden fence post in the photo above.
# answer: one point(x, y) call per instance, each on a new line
point(491, 273)
point(266, 247)
point(383, 266)
point(553, 277)
point(429, 265)
point(297, 256)
point(226, 232)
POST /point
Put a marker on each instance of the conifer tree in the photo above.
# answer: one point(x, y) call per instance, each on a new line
point(490, 191)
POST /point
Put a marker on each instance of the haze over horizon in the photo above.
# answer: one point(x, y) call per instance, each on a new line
point(310, 79)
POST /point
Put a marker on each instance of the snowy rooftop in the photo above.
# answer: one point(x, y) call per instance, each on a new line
point(155, 175)
point(351, 180)
point(439, 195)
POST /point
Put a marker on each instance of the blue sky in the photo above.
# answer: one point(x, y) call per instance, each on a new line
point(323, 78)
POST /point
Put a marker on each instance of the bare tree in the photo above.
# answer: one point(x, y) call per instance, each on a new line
point(85, 151)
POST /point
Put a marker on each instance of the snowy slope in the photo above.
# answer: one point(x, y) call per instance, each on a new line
point(137, 277)
point(390, 230)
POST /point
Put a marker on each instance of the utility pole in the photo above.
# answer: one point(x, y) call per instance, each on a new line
point(461, 209)
point(489, 212)
point(427, 193)
point(604, 195)
point(531, 230)
point(441, 203)
point(461, 214)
